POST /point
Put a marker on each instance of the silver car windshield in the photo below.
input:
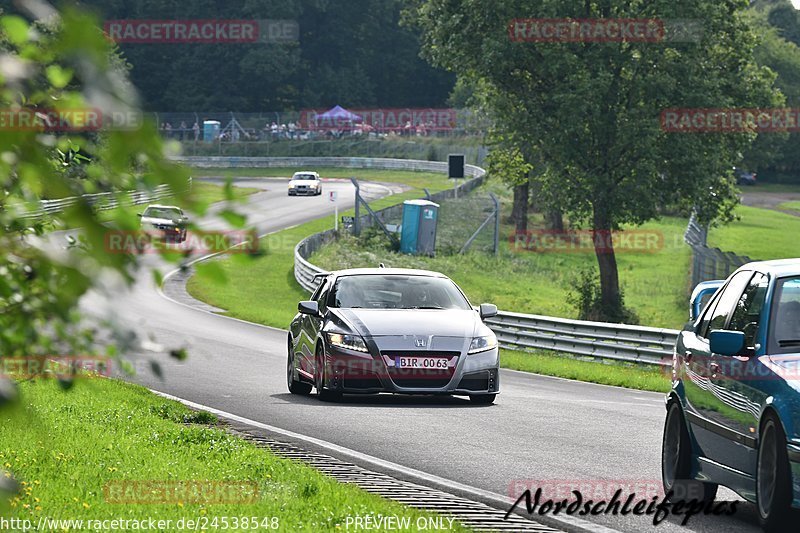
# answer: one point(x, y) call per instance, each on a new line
point(396, 292)
point(304, 177)
point(162, 212)
point(785, 320)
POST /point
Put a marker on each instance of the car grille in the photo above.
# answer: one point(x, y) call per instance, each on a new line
point(420, 378)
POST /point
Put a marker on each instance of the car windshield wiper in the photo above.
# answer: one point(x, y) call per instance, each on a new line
point(788, 342)
point(425, 307)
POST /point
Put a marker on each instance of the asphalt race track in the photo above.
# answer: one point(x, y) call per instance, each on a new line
point(540, 431)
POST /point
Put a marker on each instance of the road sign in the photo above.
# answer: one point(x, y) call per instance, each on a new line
point(332, 196)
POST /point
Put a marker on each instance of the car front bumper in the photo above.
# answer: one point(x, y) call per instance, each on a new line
point(366, 373)
point(303, 192)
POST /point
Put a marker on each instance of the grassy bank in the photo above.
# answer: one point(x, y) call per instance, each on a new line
point(605, 373)
point(759, 234)
point(65, 448)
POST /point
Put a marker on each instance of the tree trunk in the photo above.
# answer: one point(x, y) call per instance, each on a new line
point(555, 220)
point(610, 298)
point(519, 211)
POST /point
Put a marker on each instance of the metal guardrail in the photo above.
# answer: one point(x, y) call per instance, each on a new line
point(622, 342)
point(103, 200)
point(382, 163)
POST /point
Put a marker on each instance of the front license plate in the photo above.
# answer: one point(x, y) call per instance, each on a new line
point(424, 363)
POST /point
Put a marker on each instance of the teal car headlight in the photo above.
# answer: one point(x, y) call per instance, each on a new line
point(348, 342)
point(483, 344)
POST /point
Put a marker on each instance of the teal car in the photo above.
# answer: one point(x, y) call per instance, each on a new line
point(733, 412)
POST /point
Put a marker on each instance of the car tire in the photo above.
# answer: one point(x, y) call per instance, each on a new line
point(483, 399)
point(676, 461)
point(773, 484)
point(321, 378)
point(295, 386)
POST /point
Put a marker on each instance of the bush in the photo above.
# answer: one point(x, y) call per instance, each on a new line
point(583, 293)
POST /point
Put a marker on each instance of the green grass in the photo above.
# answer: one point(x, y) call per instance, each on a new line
point(65, 447)
point(793, 206)
point(759, 234)
point(605, 373)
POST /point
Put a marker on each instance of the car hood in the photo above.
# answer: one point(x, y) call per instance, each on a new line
point(303, 182)
point(411, 322)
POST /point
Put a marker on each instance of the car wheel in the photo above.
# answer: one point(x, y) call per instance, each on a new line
point(676, 461)
point(773, 486)
point(321, 378)
point(295, 386)
point(483, 399)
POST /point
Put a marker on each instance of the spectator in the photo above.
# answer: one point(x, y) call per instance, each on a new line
point(274, 130)
point(196, 130)
point(184, 128)
point(292, 130)
point(168, 130)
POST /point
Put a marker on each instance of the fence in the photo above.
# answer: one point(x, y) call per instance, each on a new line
point(102, 201)
point(251, 126)
point(709, 263)
point(304, 271)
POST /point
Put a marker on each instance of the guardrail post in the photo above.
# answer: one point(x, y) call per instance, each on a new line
point(357, 218)
point(496, 223)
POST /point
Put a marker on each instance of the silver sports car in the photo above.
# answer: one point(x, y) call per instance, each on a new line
point(392, 330)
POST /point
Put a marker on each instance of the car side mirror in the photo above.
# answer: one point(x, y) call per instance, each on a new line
point(140, 215)
point(487, 310)
point(309, 307)
point(726, 342)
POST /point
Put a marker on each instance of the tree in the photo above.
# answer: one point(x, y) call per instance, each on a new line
point(591, 110)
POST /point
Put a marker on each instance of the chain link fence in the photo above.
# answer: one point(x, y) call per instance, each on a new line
point(709, 263)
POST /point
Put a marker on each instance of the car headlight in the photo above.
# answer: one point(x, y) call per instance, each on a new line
point(313, 185)
point(348, 342)
point(482, 344)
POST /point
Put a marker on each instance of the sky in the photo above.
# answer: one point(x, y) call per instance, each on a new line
point(796, 4)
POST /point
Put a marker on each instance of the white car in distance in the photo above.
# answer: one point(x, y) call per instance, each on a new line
point(307, 183)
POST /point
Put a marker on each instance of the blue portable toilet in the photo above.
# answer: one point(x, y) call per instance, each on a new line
point(418, 232)
point(210, 130)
